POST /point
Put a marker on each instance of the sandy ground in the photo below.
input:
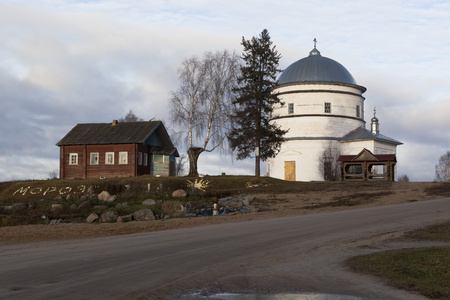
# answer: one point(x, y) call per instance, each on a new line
point(270, 205)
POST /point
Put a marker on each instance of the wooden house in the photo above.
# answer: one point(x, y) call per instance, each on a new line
point(116, 149)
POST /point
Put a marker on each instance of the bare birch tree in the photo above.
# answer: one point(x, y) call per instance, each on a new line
point(201, 107)
point(328, 163)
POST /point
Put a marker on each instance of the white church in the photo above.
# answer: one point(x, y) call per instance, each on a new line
point(324, 109)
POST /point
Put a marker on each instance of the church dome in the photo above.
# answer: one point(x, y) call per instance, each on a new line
point(316, 68)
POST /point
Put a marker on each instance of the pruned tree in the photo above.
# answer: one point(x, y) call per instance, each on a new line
point(130, 117)
point(403, 178)
point(180, 165)
point(328, 163)
point(254, 134)
point(201, 107)
point(443, 168)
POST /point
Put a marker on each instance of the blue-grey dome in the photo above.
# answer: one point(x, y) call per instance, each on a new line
point(316, 68)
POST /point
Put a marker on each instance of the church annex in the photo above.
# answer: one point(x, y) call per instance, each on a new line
point(324, 109)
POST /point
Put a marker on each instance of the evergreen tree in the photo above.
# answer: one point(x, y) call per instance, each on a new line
point(253, 132)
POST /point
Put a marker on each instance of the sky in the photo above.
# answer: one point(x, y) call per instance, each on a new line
point(68, 62)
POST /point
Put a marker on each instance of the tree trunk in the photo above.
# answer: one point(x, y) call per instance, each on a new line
point(193, 154)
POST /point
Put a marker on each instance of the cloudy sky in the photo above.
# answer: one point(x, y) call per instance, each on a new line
point(68, 62)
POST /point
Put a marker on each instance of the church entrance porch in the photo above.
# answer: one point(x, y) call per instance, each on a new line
point(367, 166)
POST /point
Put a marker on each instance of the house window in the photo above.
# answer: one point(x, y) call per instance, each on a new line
point(145, 159)
point(140, 158)
point(94, 158)
point(358, 111)
point(290, 108)
point(123, 158)
point(73, 159)
point(327, 107)
point(157, 158)
point(109, 158)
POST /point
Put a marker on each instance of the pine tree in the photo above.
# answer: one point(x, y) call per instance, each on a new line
point(254, 133)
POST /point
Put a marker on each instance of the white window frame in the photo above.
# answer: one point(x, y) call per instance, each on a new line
point(145, 159)
point(327, 107)
point(139, 158)
point(107, 155)
point(91, 160)
point(123, 158)
point(75, 155)
point(290, 108)
point(158, 162)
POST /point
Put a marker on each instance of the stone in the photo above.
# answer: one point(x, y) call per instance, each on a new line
point(58, 198)
point(225, 201)
point(85, 205)
point(69, 197)
point(179, 193)
point(235, 204)
point(55, 221)
point(56, 207)
point(125, 204)
point(103, 196)
point(149, 202)
point(144, 215)
point(112, 198)
point(83, 198)
point(119, 205)
point(73, 207)
point(247, 197)
point(19, 206)
point(127, 218)
point(109, 216)
point(92, 218)
point(100, 207)
point(245, 202)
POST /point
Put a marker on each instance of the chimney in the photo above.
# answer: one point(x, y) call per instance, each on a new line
point(115, 122)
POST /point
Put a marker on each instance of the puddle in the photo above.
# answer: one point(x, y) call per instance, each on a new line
point(300, 296)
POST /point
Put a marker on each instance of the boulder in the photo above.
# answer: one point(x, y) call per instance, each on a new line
point(235, 204)
point(19, 206)
point(58, 198)
point(69, 197)
point(109, 216)
point(179, 193)
point(56, 207)
point(92, 218)
point(83, 198)
point(127, 218)
point(73, 207)
point(112, 198)
point(100, 207)
point(149, 202)
point(85, 205)
point(247, 197)
point(144, 215)
point(104, 196)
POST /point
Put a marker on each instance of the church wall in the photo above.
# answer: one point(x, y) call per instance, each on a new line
point(305, 154)
point(317, 126)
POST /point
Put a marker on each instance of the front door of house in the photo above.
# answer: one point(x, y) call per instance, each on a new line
point(289, 170)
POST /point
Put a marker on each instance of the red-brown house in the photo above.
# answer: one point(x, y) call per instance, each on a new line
point(116, 149)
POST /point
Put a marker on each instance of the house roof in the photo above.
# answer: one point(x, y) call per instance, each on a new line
point(121, 133)
point(366, 155)
point(361, 134)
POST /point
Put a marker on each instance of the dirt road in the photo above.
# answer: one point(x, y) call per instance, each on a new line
point(290, 254)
